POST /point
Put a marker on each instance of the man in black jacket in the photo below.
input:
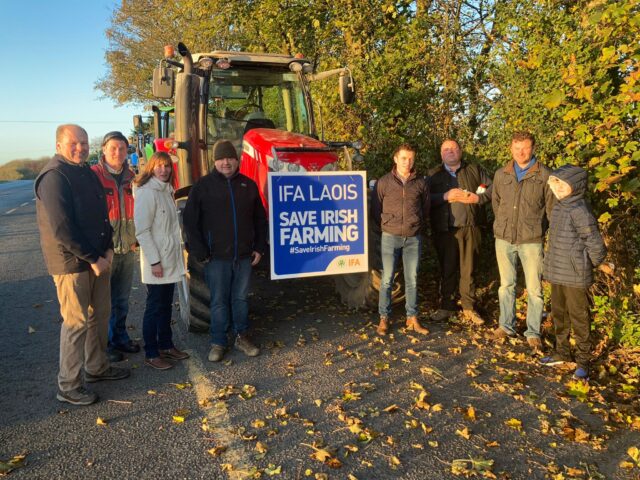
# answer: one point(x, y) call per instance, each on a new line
point(226, 228)
point(459, 191)
point(400, 207)
point(77, 245)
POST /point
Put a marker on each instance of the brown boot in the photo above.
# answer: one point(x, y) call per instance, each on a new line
point(383, 326)
point(414, 324)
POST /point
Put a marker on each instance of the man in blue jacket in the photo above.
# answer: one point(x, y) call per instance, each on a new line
point(77, 245)
point(226, 228)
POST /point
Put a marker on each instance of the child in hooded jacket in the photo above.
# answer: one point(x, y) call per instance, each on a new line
point(575, 247)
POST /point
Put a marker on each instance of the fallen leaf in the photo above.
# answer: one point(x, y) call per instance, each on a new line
point(217, 451)
point(101, 421)
point(514, 423)
point(182, 386)
point(258, 423)
point(248, 391)
point(464, 433)
point(471, 466)
point(470, 414)
point(272, 470)
point(391, 408)
point(16, 462)
point(180, 415)
point(31, 329)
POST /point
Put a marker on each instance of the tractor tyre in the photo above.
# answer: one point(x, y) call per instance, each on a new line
point(361, 290)
point(199, 298)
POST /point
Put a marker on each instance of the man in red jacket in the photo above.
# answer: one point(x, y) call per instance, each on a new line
point(116, 177)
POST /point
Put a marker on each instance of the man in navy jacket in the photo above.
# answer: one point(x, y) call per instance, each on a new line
point(226, 228)
point(77, 245)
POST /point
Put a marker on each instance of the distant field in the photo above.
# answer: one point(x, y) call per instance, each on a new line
point(21, 169)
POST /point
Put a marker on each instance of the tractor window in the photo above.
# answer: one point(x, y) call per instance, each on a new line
point(258, 97)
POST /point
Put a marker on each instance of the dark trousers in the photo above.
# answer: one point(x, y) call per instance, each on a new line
point(121, 280)
point(156, 322)
point(457, 251)
point(570, 310)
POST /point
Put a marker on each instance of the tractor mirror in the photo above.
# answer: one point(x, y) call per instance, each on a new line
point(137, 123)
point(347, 87)
point(163, 82)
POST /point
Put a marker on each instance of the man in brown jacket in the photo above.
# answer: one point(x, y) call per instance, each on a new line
point(400, 207)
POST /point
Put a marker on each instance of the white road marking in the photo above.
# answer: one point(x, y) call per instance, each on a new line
point(218, 420)
point(10, 211)
point(24, 204)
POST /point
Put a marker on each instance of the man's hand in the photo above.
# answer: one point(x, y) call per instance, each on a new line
point(256, 258)
point(109, 256)
point(102, 265)
point(462, 196)
point(156, 270)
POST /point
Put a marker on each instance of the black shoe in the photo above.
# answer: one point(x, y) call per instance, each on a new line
point(114, 357)
point(129, 347)
point(79, 396)
point(111, 373)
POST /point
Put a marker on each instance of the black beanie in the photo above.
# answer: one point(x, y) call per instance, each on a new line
point(114, 136)
point(224, 149)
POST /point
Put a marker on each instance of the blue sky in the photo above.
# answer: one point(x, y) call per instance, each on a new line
point(53, 56)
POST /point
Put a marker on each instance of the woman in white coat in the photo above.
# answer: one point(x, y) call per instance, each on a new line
point(161, 262)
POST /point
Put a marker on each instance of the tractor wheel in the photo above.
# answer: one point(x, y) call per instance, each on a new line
point(199, 299)
point(358, 290)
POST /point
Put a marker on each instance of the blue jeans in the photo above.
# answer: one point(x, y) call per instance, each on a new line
point(121, 279)
point(156, 322)
point(228, 283)
point(392, 247)
point(531, 258)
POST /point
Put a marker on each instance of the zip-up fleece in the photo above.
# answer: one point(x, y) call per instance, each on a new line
point(224, 218)
point(575, 245)
point(400, 208)
point(72, 217)
point(120, 204)
point(521, 209)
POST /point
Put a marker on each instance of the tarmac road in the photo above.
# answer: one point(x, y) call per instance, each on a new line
point(323, 379)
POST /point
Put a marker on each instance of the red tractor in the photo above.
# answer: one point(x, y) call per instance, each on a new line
point(261, 103)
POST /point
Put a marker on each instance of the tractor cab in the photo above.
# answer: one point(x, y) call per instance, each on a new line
point(259, 102)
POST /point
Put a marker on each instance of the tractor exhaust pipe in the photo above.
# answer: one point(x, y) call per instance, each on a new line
point(187, 59)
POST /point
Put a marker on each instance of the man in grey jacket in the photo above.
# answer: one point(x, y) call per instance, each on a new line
point(400, 207)
point(522, 203)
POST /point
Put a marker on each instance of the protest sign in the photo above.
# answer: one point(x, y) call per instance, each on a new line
point(317, 223)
